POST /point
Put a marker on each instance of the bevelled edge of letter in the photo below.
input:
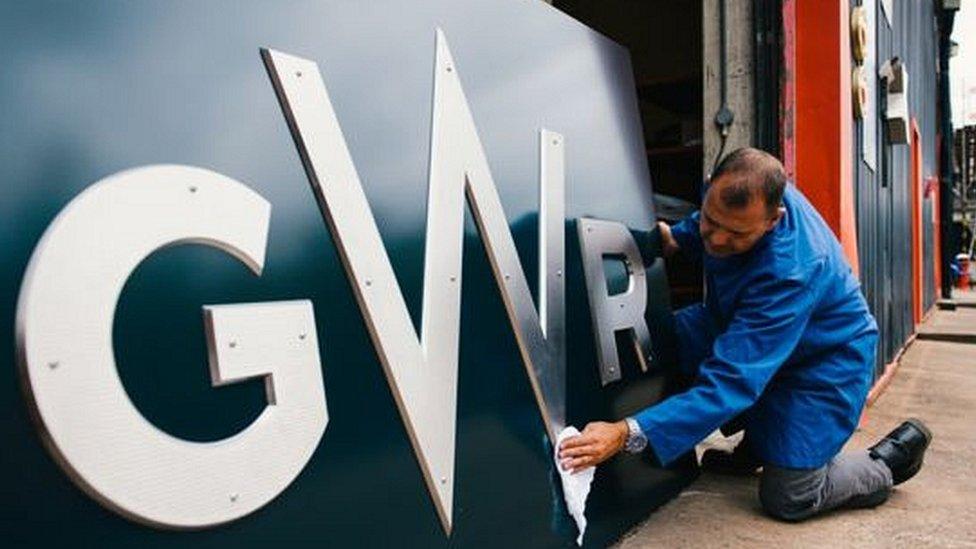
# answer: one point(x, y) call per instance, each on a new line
point(422, 372)
point(128, 447)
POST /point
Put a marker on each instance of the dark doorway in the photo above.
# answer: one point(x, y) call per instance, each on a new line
point(665, 42)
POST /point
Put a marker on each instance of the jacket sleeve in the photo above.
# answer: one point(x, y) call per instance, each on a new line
point(769, 320)
point(688, 236)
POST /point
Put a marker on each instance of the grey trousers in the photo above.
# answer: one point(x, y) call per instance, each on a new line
point(850, 480)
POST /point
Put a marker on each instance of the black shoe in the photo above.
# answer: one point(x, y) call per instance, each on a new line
point(902, 450)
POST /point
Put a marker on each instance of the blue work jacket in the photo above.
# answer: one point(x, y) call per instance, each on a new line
point(783, 339)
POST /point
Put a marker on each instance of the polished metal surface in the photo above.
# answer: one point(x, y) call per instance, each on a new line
point(64, 334)
point(89, 89)
point(623, 311)
point(422, 373)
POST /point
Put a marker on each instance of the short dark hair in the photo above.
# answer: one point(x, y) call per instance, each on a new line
point(751, 172)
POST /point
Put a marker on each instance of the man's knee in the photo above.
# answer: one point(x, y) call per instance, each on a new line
point(790, 496)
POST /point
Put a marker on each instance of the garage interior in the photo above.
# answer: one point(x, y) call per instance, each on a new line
point(664, 38)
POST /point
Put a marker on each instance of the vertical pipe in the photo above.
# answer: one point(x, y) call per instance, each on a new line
point(724, 116)
point(766, 82)
point(787, 99)
point(950, 244)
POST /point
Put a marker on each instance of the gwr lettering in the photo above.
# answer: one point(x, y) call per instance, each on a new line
point(68, 298)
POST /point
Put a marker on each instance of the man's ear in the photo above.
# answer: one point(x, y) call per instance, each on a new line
point(780, 211)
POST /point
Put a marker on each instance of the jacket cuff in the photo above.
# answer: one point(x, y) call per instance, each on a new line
point(685, 233)
point(665, 452)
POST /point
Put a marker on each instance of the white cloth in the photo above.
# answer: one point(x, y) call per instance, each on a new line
point(718, 441)
point(575, 487)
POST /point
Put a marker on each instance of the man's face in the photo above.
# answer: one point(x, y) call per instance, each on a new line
point(728, 231)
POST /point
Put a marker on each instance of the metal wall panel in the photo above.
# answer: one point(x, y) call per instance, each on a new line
point(89, 89)
point(883, 196)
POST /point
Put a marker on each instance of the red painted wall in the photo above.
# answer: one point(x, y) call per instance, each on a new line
point(915, 189)
point(822, 115)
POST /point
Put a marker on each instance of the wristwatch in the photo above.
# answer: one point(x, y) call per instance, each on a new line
point(636, 439)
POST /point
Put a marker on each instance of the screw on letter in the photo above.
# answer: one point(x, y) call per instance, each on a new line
point(193, 189)
point(233, 498)
point(302, 335)
point(232, 344)
point(53, 365)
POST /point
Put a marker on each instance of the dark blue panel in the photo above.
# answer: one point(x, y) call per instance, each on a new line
point(884, 206)
point(88, 89)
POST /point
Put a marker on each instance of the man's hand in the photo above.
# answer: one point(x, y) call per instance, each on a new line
point(598, 442)
point(669, 246)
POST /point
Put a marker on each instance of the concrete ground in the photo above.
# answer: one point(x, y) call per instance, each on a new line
point(936, 381)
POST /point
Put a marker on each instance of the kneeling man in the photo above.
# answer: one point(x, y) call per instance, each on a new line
point(784, 342)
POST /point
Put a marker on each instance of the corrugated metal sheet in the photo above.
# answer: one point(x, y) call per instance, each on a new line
point(883, 196)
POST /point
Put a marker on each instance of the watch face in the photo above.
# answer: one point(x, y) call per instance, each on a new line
point(636, 441)
point(636, 444)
